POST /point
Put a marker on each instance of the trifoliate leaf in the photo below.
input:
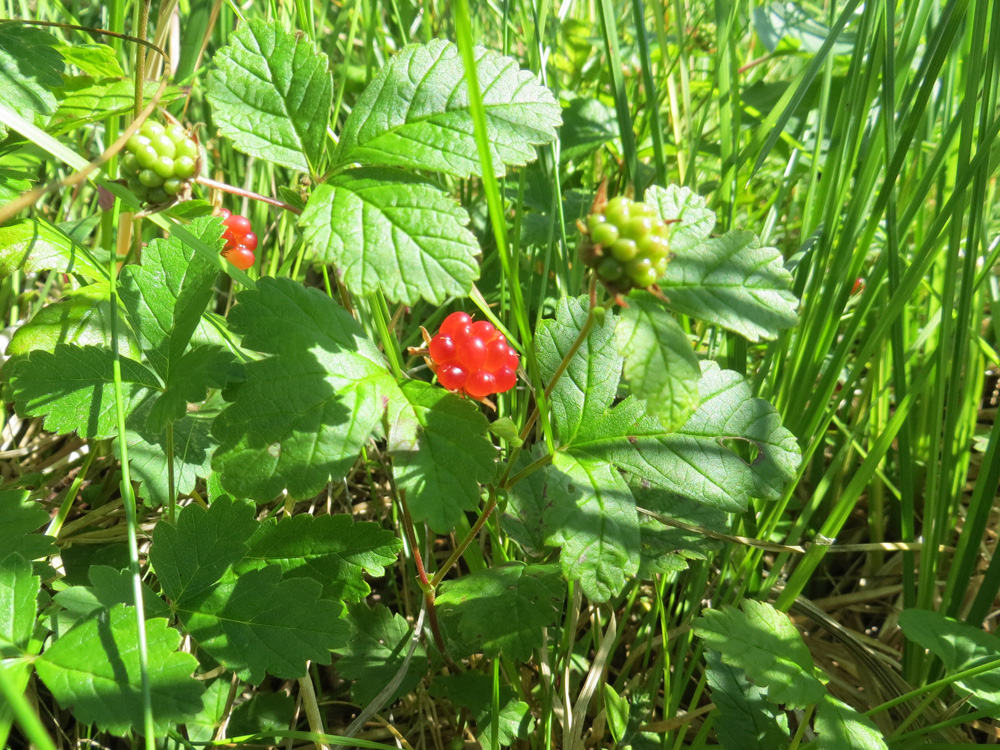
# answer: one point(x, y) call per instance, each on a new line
point(35, 245)
point(415, 113)
point(384, 228)
point(474, 691)
point(18, 519)
point(94, 671)
point(271, 93)
point(841, 727)
point(960, 646)
point(301, 417)
point(504, 609)
point(73, 387)
point(733, 282)
point(660, 365)
point(166, 296)
point(190, 378)
point(746, 720)
point(332, 550)
point(19, 589)
point(591, 379)
point(694, 462)
point(192, 556)
point(441, 467)
point(763, 642)
point(376, 651)
point(109, 587)
point(30, 67)
point(257, 623)
point(691, 222)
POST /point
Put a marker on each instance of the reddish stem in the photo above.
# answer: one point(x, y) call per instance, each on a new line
point(207, 182)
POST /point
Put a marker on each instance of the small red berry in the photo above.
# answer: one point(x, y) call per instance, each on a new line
point(481, 384)
point(250, 241)
point(442, 349)
point(484, 329)
point(224, 213)
point(239, 256)
point(513, 360)
point(496, 355)
point(239, 225)
point(472, 353)
point(455, 321)
point(452, 377)
point(506, 379)
point(859, 286)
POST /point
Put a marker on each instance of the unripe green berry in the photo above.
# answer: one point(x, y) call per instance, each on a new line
point(187, 147)
point(604, 234)
point(130, 165)
point(184, 167)
point(173, 186)
point(653, 246)
point(164, 166)
point(177, 133)
point(618, 210)
point(164, 145)
point(158, 195)
point(644, 279)
point(146, 156)
point(136, 142)
point(610, 269)
point(637, 227)
point(624, 250)
point(150, 179)
point(151, 128)
point(595, 220)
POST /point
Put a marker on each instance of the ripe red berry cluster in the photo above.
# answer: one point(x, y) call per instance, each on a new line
point(472, 358)
point(628, 245)
point(159, 161)
point(240, 241)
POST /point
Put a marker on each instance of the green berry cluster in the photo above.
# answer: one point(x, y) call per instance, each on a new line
point(627, 246)
point(159, 161)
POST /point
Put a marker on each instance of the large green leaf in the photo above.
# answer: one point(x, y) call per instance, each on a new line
point(300, 417)
point(695, 461)
point(746, 720)
point(442, 463)
point(18, 519)
point(271, 92)
point(94, 671)
point(332, 550)
point(660, 365)
point(416, 113)
point(504, 609)
point(74, 388)
point(30, 67)
point(960, 646)
point(590, 381)
point(762, 641)
point(376, 651)
point(97, 60)
point(191, 376)
point(841, 727)
point(384, 228)
point(35, 245)
point(19, 589)
point(83, 99)
point(109, 586)
point(691, 222)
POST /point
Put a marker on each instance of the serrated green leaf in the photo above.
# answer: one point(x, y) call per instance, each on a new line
point(97, 60)
point(199, 369)
point(376, 650)
point(762, 641)
point(733, 282)
point(18, 519)
point(300, 418)
point(201, 727)
point(73, 387)
point(960, 646)
point(83, 100)
point(35, 245)
point(271, 93)
point(746, 720)
point(165, 297)
point(504, 609)
point(264, 712)
point(13, 182)
point(474, 691)
point(192, 556)
point(841, 727)
point(385, 229)
point(415, 113)
point(691, 222)
point(94, 671)
point(30, 67)
point(332, 550)
point(147, 452)
point(587, 125)
point(694, 462)
point(591, 379)
point(660, 365)
point(449, 455)
point(19, 589)
point(109, 587)
point(257, 623)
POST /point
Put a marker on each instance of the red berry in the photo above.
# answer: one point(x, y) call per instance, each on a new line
point(224, 213)
point(859, 286)
point(250, 241)
point(513, 360)
point(472, 352)
point(453, 322)
point(496, 355)
point(506, 379)
point(484, 329)
point(239, 256)
point(452, 377)
point(481, 384)
point(442, 349)
point(239, 225)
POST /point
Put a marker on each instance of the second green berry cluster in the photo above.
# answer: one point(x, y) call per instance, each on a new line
point(628, 245)
point(159, 162)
